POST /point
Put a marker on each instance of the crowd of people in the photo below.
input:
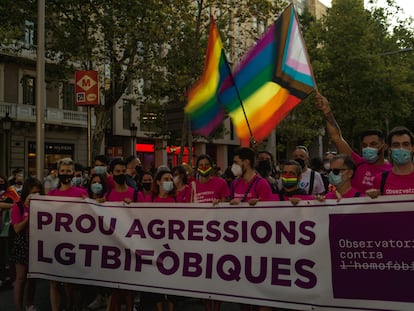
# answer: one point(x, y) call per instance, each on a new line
point(253, 177)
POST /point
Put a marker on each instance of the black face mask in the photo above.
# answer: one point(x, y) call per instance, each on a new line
point(146, 186)
point(301, 162)
point(65, 178)
point(120, 179)
point(263, 167)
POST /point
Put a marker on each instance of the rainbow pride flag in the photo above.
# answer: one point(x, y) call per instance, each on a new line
point(203, 107)
point(273, 77)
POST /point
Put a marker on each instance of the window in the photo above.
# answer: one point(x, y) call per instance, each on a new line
point(68, 96)
point(126, 114)
point(29, 86)
point(29, 33)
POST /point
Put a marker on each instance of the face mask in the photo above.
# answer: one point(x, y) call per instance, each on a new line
point(370, 154)
point(335, 180)
point(176, 180)
point(204, 173)
point(301, 162)
point(146, 186)
point(100, 170)
point(76, 181)
point(289, 181)
point(96, 188)
point(65, 178)
point(167, 186)
point(120, 179)
point(400, 156)
point(263, 167)
point(327, 166)
point(236, 170)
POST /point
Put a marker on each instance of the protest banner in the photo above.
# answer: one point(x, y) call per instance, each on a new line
point(356, 254)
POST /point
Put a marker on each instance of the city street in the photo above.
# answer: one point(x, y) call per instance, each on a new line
point(42, 301)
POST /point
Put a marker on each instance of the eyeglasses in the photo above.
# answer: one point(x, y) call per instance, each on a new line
point(302, 148)
point(330, 152)
point(336, 171)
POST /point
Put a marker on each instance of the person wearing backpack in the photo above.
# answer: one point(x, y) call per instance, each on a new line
point(20, 255)
point(400, 180)
point(249, 186)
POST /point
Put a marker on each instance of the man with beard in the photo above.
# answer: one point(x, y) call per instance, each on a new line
point(311, 181)
point(400, 179)
point(248, 186)
point(372, 161)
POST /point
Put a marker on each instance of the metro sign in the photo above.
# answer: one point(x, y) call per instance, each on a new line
point(86, 87)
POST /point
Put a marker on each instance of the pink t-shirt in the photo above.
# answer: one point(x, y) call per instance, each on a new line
point(396, 184)
point(73, 192)
point(15, 214)
point(365, 173)
point(256, 188)
point(351, 193)
point(168, 199)
point(215, 188)
point(115, 196)
point(184, 195)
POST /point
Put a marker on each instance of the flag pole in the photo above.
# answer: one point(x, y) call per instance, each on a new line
point(252, 139)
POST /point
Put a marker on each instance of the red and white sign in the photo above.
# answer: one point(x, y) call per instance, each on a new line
point(86, 88)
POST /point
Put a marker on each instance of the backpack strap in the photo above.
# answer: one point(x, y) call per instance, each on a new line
point(254, 182)
point(383, 180)
point(311, 181)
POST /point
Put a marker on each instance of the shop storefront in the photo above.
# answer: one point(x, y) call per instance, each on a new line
point(53, 153)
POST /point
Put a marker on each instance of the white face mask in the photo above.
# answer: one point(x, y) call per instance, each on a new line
point(327, 165)
point(167, 186)
point(236, 170)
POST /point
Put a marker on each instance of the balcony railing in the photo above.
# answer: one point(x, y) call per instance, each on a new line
point(27, 113)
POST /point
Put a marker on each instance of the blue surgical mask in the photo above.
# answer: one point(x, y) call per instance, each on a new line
point(401, 156)
point(96, 188)
point(335, 180)
point(100, 170)
point(167, 186)
point(370, 154)
point(76, 181)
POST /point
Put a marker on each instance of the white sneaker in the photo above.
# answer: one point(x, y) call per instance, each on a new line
point(99, 302)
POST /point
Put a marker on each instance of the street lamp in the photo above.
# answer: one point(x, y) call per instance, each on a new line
point(133, 128)
point(6, 123)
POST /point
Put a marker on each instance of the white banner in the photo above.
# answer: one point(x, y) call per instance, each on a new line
point(353, 255)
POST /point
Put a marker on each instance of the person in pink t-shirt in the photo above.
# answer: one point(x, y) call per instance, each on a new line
point(207, 188)
point(121, 193)
point(372, 161)
point(341, 171)
point(20, 221)
point(65, 169)
point(249, 186)
point(180, 179)
point(400, 180)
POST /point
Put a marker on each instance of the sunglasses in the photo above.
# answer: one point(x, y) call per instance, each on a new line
point(336, 171)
